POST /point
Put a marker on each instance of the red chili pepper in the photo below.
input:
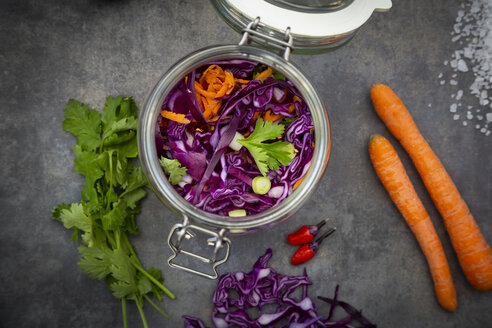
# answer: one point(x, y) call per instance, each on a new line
point(305, 234)
point(307, 251)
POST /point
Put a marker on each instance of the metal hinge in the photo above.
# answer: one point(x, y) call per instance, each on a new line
point(186, 231)
point(251, 33)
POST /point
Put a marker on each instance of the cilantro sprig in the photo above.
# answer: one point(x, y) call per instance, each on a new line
point(268, 155)
point(173, 168)
point(114, 186)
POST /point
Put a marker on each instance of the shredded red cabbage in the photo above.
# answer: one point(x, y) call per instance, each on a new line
point(218, 179)
point(264, 286)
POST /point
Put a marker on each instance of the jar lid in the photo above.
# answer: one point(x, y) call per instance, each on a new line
point(315, 25)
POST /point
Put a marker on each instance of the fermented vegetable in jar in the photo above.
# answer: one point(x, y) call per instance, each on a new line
point(228, 123)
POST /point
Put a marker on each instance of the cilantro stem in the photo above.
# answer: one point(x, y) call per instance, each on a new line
point(110, 189)
point(131, 249)
point(123, 309)
point(110, 238)
point(155, 281)
point(142, 315)
point(118, 238)
point(156, 307)
point(134, 254)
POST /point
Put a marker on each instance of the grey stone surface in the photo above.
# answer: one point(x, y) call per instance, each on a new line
point(55, 50)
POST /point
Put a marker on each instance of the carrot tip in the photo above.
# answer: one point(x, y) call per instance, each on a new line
point(375, 136)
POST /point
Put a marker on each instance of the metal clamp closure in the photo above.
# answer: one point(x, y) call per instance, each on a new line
point(186, 231)
point(251, 33)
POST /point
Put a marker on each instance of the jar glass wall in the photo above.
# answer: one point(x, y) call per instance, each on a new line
point(158, 180)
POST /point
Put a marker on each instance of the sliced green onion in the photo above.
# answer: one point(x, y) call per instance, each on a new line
point(291, 149)
point(261, 185)
point(234, 144)
point(237, 213)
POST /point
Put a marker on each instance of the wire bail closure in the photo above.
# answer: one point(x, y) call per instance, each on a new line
point(186, 231)
point(250, 33)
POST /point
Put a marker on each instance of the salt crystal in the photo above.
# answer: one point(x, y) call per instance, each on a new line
point(472, 36)
point(459, 94)
point(487, 133)
point(430, 105)
point(462, 67)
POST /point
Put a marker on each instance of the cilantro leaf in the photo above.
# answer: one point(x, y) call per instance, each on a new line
point(56, 212)
point(144, 286)
point(265, 131)
point(115, 218)
point(124, 273)
point(85, 163)
point(278, 76)
point(118, 138)
point(83, 123)
point(111, 112)
point(288, 121)
point(268, 155)
point(127, 149)
point(76, 217)
point(95, 261)
point(172, 167)
point(127, 123)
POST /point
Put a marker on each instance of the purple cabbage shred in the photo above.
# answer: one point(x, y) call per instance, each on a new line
point(239, 295)
point(218, 179)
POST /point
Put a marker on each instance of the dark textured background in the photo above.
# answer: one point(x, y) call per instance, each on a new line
point(51, 51)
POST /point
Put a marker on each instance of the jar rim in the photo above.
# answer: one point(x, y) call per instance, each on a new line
point(148, 152)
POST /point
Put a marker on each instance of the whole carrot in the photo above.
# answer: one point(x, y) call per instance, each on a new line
point(474, 254)
point(392, 174)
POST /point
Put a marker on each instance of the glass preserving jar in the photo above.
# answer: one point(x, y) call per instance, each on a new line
point(195, 220)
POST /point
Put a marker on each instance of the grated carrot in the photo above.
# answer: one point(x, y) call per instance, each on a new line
point(298, 182)
point(180, 118)
point(264, 75)
point(269, 116)
point(241, 81)
point(214, 83)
